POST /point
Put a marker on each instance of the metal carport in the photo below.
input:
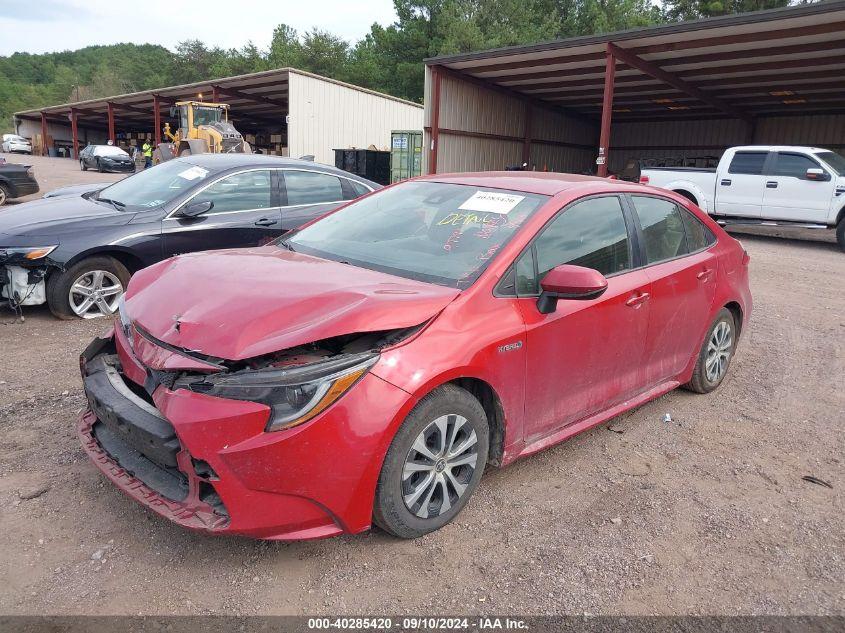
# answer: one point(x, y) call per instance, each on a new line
point(317, 113)
point(764, 77)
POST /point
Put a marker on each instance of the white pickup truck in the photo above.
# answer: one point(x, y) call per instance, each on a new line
point(763, 184)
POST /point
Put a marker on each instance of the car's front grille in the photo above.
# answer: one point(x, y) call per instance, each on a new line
point(168, 482)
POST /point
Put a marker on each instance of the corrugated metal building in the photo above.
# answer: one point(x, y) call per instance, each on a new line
point(685, 90)
point(307, 113)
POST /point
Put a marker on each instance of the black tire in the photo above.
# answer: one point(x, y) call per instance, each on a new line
point(83, 166)
point(700, 382)
point(840, 234)
point(59, 283)
point(4, 194)
point(390, 512)
point(99, 166)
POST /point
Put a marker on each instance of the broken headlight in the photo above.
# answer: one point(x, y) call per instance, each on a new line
point(294, 395)
point(30, 252)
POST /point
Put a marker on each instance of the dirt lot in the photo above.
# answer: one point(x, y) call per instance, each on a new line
point(707, 514)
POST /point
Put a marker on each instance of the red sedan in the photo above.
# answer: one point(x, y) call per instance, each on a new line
point(369, 367)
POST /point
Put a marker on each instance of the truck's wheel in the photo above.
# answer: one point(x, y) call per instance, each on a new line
point(88, 289)
point(840, 233)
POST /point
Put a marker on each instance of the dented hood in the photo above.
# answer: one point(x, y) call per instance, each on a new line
point(238, 304)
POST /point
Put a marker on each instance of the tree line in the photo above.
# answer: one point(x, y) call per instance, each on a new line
point(387, 59)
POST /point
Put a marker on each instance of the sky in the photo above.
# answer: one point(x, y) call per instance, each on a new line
point(40, 26)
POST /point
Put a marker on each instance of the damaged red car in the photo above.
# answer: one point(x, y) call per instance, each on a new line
point(368, 368)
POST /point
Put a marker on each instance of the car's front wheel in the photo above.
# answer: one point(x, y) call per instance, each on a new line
point(715, 355)
point(83, 166)
point(4, 195)
point(433, 465)
point(88, 289)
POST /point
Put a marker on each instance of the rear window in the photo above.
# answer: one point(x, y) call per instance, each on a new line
point(698, 235)
point(748, 163)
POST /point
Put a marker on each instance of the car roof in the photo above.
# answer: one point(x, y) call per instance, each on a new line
point(540, 182)
point(220, 162)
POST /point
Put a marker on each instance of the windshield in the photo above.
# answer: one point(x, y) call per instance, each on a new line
point(109, 150)
point(204, 115)
point(155, 186)
point(834, 161)
point(435, 232)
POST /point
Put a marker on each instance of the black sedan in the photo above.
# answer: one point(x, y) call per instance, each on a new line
point(105, 158)
point(77, 252)
point(16, 181)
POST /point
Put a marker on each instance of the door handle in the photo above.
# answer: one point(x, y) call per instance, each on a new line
point(266, 222)
point(772, 184)
point(635, 300)
point(725, 182)
point(704, 274)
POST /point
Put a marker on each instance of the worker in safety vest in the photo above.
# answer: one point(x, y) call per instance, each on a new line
point(147, 150)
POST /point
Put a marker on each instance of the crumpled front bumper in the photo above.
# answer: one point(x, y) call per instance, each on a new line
point(311, 481)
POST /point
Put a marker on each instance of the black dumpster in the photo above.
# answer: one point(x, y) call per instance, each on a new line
point(369, 163)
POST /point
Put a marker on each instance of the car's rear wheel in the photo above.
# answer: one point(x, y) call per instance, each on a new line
point(4, 195)
point(715, 355)
point(88, 289)
point(433, 465)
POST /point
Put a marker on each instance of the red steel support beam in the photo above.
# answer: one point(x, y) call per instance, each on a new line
point(111, 121)
point(435, 119)
point(74, 133)
point(44, 148)
point(606, 111)
point(157, 120)
point(676, 82)
point(526, 143)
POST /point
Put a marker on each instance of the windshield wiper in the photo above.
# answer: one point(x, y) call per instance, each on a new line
point(120, 206)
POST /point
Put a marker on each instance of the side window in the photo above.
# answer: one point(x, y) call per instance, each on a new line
point(698, 235)
point(358, 188)
point(310, 187)
point(795, 165)
point(591, 233)
point(748, 163)
point(239, 192)
point(663, 228)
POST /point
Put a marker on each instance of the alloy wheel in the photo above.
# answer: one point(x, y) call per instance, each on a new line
point(439, 466)
point(95, 293)
point(2, 196)
point(719, 349)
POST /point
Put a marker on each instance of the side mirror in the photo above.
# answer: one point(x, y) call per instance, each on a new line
point(819, 175)
point(569, 282)
point(194, 209)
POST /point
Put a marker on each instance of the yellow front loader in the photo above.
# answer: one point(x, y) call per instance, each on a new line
point(203, 128)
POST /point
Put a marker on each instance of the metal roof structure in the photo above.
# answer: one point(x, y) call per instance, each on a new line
point(746, 67)
point(255, 99)
point(775, 62)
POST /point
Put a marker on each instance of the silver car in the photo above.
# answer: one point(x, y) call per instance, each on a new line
point(14, 143)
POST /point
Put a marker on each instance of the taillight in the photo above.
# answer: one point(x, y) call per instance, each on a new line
point(644, 180)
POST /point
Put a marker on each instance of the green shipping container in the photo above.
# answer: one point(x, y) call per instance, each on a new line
point(405, 154)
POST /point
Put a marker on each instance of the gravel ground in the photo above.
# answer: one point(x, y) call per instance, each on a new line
point(707, 514)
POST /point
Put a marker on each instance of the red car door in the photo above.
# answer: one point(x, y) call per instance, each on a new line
point(586, 355)
point(682, 272)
